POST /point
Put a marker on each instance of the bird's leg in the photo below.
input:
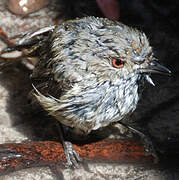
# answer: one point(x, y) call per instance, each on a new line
point(149, 148)
point(71, 155)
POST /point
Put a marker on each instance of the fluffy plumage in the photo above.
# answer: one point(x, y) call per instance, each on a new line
point(75, 80)
point(89, 73)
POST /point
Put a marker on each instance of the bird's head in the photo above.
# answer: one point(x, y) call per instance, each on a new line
point(109, 50)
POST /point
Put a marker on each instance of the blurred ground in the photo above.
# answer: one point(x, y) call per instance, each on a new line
point(157, 113)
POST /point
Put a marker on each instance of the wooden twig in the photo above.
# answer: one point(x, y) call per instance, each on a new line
point(5, 39)
point(32, 154)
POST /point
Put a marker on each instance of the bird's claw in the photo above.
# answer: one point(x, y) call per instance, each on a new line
point(72, 157)
point(149, 148)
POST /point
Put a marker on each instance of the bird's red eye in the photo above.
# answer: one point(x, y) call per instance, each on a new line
point(117, 63)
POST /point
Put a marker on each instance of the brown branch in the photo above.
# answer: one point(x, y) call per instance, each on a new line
point(5, 39)
point(32, 154)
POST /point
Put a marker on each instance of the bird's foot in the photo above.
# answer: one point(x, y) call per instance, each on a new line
point(149, 147)
point(71, 155)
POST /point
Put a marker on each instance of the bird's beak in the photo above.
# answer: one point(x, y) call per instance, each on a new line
point(155, 67)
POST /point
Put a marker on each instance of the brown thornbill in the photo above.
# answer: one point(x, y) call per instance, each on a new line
point(89, 73)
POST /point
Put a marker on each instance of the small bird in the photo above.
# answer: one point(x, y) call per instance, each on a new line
point(90, 72)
